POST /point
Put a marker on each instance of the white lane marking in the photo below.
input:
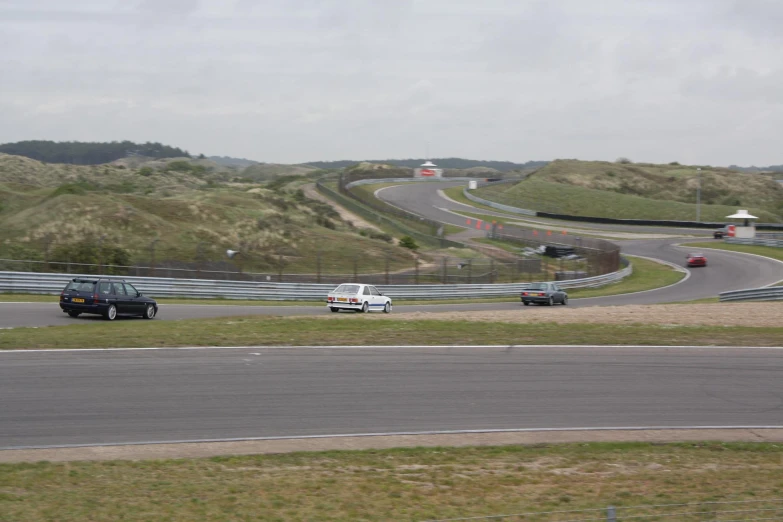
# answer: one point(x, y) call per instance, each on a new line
point(394, 433)
point(394, 347)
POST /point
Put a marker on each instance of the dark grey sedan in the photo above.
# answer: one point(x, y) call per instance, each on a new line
point(544, 293)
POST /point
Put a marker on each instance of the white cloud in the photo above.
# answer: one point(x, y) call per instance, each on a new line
point(296, 80)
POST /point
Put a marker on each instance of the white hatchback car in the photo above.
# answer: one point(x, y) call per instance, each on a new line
point(358, 297)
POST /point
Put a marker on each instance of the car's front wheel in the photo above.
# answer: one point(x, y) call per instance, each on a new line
point(74, 314)
point(111, 313)
point(387, 308)
point(149, 311)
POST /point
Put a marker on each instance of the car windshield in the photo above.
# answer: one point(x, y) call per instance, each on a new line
point(80, 286)
point(540, 286)
point(347, 289)
point(697, 255)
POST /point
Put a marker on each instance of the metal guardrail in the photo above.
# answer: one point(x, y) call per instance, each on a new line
point(498, 206)
point(37, 283)
point(756, 241)
point(770, 293)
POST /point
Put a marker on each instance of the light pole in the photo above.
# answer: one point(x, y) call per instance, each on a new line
point(698, 195)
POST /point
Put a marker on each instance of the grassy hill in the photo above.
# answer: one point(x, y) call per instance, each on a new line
point(54, 212)
point(641, 191)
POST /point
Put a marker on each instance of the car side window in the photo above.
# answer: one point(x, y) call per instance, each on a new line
point(366, 290)
point(374, 291)
point(119, 289)
point(104, 288)
point(130, 290)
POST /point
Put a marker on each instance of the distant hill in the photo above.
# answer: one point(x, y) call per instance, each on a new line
point(228, 161)
point(444, 163)
point(89, 153)
point(757, 170)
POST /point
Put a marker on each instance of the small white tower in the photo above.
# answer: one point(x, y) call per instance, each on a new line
point(747, 229)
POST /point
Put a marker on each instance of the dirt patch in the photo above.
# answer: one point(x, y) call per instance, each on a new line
point(310, 191)
point(705, 314)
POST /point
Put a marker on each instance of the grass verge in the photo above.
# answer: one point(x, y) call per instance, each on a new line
point(342, 330)
point(646, 275)
point(405, 484)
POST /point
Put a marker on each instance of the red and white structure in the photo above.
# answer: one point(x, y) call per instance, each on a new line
point(428, 170)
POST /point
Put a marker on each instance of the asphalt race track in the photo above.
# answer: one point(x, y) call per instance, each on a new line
point(110, 397)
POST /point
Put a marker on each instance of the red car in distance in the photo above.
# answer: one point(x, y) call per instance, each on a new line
point(696, 260)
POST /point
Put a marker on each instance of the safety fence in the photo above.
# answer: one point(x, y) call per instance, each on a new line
point(771, 293)
point(38, 283)
point(756, 241)
point(726, 511)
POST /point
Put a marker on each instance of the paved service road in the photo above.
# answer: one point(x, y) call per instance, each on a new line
point(94, 397)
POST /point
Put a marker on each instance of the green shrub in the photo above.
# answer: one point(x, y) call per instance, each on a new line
point(79, 188)
point(90, 252)
point(146, 171)
point(408, 242)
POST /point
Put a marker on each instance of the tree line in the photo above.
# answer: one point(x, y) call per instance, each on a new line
point(89, 153)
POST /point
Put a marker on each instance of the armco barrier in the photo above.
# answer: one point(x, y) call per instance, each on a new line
point(756, 241)
point(771, 293)
point(506, 208)
point(37, 283)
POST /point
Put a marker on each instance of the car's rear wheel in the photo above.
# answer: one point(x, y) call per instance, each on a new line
point(333, 309)
point(111, 313)
point(526, 303)
point(74, 314)
point(149, 311)
point(387, 308)
point(565, 300)
point(551, 301)
point(365, 307)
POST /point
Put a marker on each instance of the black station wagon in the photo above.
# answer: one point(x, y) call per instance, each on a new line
point(108, 297)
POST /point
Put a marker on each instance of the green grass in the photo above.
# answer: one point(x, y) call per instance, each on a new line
point(402, 484)
point(575, 200)
point(351, 329)
point(646, 275)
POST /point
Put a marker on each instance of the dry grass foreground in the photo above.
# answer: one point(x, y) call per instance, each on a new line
point(704, 314)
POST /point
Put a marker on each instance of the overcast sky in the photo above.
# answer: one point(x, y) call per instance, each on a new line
point(694, 81)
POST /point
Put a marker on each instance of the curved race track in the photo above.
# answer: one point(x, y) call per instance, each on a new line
point(726, 271)
point(71, 397)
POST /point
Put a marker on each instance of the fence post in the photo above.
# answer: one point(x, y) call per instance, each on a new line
point(611, 515)
point(318, 266)
point(416, 269)
point(445, 274)
point(470, 271)
point(280, 268)
point(491, 270)
point(356, 269)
